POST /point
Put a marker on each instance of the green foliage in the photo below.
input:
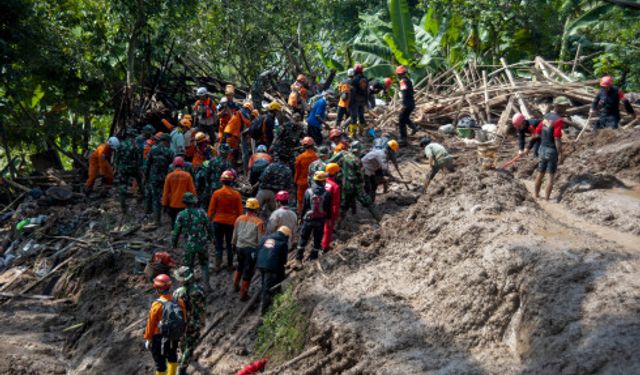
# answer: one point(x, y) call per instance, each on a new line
point(283, 329)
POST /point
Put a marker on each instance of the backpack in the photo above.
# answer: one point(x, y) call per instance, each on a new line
point(172, 326)
point(256, 129)
point(317, 206)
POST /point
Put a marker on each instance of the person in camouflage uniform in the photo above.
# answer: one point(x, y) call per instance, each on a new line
point(127, 165)
point(318, 165)
point(194, 223)
point(141, 140)
point(208, 176)
point(195, 302)
point(276, 177)
point(156, 168)
point(288, 141)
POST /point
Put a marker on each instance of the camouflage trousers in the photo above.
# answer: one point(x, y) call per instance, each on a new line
point(188, 344)
point(153, 196)
point(350, 196)
point(193, 251)
point(123, 181)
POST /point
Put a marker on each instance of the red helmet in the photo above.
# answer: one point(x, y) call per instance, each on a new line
point(282, 196)
point(518, 120)
point(308, 141)
point(164, 258)
point(357, 68)
point(401, 69)
point(606, 81)
point(227, 176)
point(335, 133)
point(387, 82)
point(178, 161)
point(162, 282)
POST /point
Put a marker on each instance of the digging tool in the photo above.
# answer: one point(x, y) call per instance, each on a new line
point(401, 178)
point(585, 125)
point(512, 161)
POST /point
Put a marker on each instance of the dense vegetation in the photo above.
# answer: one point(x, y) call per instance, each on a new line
point(67, 64)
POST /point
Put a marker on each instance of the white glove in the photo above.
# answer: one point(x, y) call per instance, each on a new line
point(147, 344)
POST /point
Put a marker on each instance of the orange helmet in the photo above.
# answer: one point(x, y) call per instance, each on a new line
point(335, 133)
point(387, 82)
point(301, 78)
point(162, 282)
point(332, 168)
point(227, 176)
point(606, 81)
point(308, 141)
point(341, 146)
point(401, 69)
point(200, 136)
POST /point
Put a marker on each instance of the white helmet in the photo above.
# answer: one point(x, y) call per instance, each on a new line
point(223, 100)
point(202, 91)
point(113, 142)
point(351, 72)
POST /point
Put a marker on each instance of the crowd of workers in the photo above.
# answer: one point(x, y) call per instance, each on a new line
point(300, 186)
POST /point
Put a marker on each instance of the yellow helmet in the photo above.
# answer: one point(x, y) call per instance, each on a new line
point(200, 136)
point(320, 176)
point(332, 168)
point(229, 90)
point(274, 106)
point(393, 145)
point(252, 204)
point(285, 230)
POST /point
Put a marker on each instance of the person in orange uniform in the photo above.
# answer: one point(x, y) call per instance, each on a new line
point(332, 187)
point(226, 109)
point(163, 349)
point(176, 184)
point(99, 164)
point(189, 134)
point(224, 208)
point(299, 95)
point(301, 175)
point(203, 150)
point(344, 90)
point(231, 136)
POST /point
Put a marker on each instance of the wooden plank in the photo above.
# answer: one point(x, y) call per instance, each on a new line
point(503, 128)
point(523, 105)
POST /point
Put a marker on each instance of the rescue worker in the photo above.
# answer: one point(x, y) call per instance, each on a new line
point(550, 152)
point(194, 300)
point(333, 188)
point(189, 136)
point(408, 105)
point(160, 262)
point(267, 133)
point(99, 164)
point(141, 140)
point(317, 116)
point(226, 109)
point(258, 163)
point(148, 145)
point(283, 215)
point(609, 97)
point(344, 90)
point(302, 163)
point(376, 167)
point(299, 95)
point(377, 87)
point(208, 177)
point(272, 257)
point(231, 136)
point(352, 182)
point(176, 184)
point(318, 165)
point(202, 151)
point(287, 140)
point(523, 127)
point(247, 234)
point(177, 138)
point(276, 177)
point(163, 349)
point(316, 210)
point(156, 168)
point(205, 114)
point(224, 208)
point(337, 136)
point(127, 161)
point(357, 102)
point(194, 224)
point(438, 158)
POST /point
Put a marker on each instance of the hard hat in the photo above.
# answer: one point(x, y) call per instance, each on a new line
point(226, 176)
point(164, 258)
point(164, 137)
point(224, 149)
point(332, 168)
point(341, 146)
point(356, 146)
point(335, 133)
point(178, 161)
point(274, 106)
point(320, 176)
point(162, 282)
point(183, 274)
point(252, 204)
point(113, 142)
point(401, 69)
point(200, 136)
point(606, 81)
point(357, 68)
point(189, 198)
point(518, 120)
point(387, 82)
point(186, 123)
point(229, 90)
point(282, 196)
point(301, 78)
point(351, 73)
point(202, 91)
point(148, 129)
point(224, 100)
point(261, 148)
point(285, 230)
point(393, 145)
point(308, 141)
point(425, 141)
point(561, 100)
point(324, 150)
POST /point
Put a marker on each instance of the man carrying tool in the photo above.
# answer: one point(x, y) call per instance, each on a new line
point(193, 222)
point(609, 97)
point(316, 209)
point(247, 234)
point(550, 133)
point(99, 164)
point(283, 215)
point(438, 158)
point(344, 90)
point(302, 169)
point(272, 257)
point(224, 209)
point(194, 300)
point(376, 167)
point(165, 327)
point(408, 104)
point(299, 95)
point(127, 161)
point(176, 185)
point(156, 168)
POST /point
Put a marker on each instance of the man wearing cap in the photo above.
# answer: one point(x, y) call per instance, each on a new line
point(194, 224)
point(609, 97)
point(127, 161)
point(194, 300)
point(318, 165)
point(247, 234)
point(156, 167)
point(176, 184)
point(317, 116)
point(438, 158)
point(271, 260)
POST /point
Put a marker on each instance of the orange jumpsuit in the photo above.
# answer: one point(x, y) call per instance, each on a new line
point(232, 132)
point(225, 206)
point(155, 316)
point(99, 166)
point(176, 184)
point(301, 175)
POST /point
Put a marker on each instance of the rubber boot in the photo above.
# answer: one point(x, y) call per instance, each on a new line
point(183, 371)
point(172, 368)
point(161, 373)
point(244, 290)
point(236, 281)
point(353, 129)
point(218, 264)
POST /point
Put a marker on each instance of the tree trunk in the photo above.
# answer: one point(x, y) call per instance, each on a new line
point(7, 152)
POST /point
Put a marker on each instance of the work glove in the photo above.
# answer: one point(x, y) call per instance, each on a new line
point(147, 344)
